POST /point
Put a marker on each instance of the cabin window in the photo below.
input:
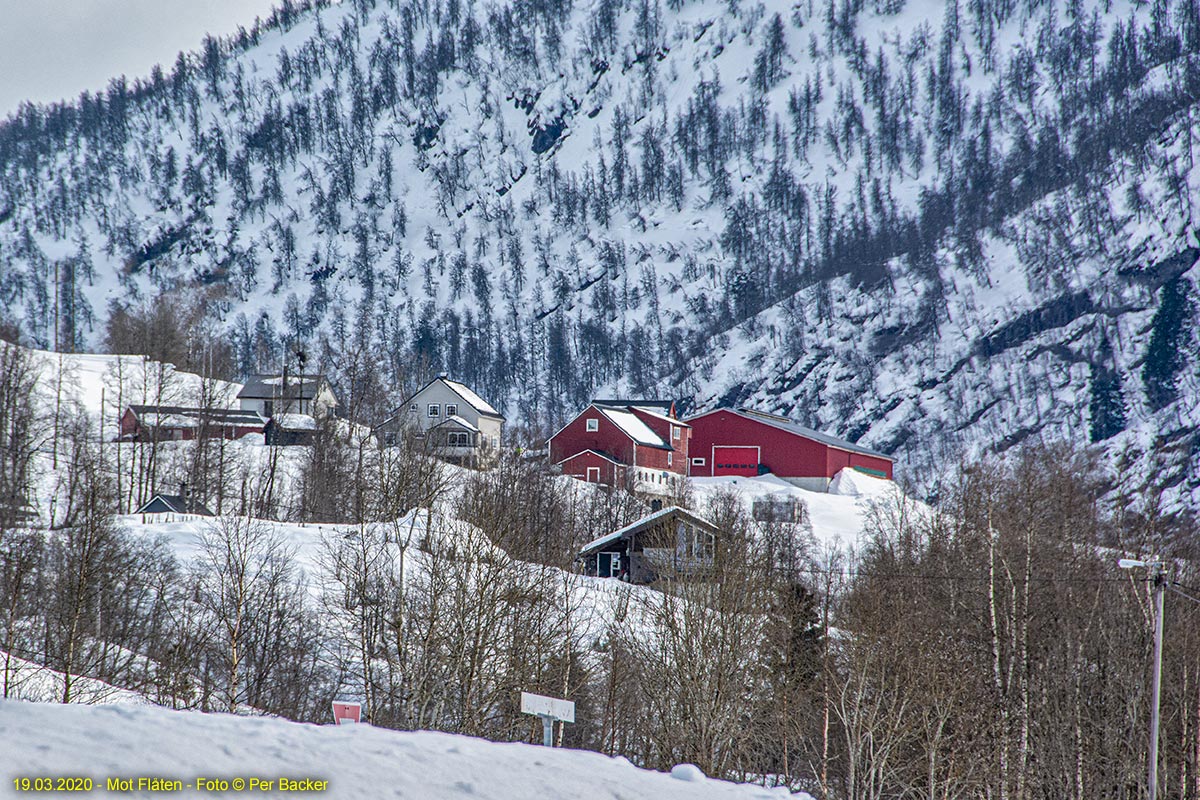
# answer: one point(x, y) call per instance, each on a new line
point(451, 409)
point(697, 462)
point(696, 543)
point(435, 410)
point(593, 424)
point(608, 565)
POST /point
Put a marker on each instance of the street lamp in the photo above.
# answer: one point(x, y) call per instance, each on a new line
point(1159, 576)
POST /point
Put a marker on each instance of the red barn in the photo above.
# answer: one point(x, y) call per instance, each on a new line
point(741, 441)
point(612, 442)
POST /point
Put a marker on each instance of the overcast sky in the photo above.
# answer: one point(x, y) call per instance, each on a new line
point(55, 49)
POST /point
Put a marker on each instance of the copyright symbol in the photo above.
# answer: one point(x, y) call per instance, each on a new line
point(238, 784)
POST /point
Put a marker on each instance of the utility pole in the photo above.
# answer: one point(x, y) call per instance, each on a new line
point(1158, 578)
point(1160, 590)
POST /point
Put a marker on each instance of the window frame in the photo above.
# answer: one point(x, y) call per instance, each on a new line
point(593, 424)
point(433, 411)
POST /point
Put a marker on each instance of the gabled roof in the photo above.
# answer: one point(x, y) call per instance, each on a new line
point(632, 427)
point(662, 407)
point(468, 396)
point(785, 424)
point(191, 417)
point(653, 413)
point(271, 387)
point(642, 524)
point(173, 504)
point(599, 453)
point(455, 419)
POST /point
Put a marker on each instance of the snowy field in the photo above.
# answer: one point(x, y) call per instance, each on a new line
point(102, 742)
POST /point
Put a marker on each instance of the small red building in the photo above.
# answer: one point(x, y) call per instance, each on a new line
point(174, 423)
point(745, 442)
point(616, 442)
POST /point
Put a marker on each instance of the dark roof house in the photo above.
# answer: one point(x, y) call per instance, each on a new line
point(670, 543)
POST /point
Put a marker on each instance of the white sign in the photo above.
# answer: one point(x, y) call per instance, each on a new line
point(562, 710)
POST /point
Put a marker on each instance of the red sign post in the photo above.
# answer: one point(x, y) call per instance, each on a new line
point(346, 712)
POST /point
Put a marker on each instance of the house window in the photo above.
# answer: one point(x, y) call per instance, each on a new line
point(451, 409)
point(413, 408)
point(435, 410)
point(670, 458)
point(697, 462)
point(458, 439)
point(593, 424)
point(674, 431)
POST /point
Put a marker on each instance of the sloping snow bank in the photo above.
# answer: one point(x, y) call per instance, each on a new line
point(103, 742)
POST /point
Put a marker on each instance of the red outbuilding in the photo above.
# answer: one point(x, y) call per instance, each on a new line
point(728, 441)
point(614, 442)
point(166, 423)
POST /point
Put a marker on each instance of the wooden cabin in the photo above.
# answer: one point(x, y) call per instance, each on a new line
point(671, 543)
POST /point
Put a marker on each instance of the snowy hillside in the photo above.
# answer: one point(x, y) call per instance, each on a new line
point(933, 227)
point(353, 761)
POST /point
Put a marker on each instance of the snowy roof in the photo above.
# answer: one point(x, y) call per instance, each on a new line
point(651, 412)
point(476, 402)
point(469, 397)
point(656, 406)
point(785, 424)
point(191, 417)
point(633, 427)
point(295, 422)
point(270, 387)
point(457, 420)
point(644, 523)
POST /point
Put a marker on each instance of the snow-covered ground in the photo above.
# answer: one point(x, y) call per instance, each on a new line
point(837, 517)
point(352, 761)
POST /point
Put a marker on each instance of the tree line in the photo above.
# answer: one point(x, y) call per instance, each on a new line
point(986, 647)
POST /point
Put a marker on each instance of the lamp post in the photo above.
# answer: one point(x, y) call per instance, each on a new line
point(1159, 577)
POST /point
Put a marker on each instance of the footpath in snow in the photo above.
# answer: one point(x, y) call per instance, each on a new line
point(133, 742)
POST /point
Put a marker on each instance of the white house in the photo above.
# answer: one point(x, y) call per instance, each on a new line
point(456, 422)
point(271, 395)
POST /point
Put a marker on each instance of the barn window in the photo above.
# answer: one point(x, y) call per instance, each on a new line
point(674, 431)
point(593, 424)
point(451, 409)
point(435, 410)
point(697, 462)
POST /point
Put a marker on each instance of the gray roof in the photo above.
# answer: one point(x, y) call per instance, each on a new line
point(173, 504)
point(271, 387)
point(785, 424)
point(646, 522)
point(210, 416)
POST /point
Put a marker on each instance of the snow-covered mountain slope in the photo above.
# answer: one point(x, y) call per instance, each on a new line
point(352, 761)
point(935, 228)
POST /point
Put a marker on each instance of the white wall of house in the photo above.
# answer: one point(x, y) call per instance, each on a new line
point(437, 401)
point(322, 404)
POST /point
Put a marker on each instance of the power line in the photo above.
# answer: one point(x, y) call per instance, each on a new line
point(919, 576)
